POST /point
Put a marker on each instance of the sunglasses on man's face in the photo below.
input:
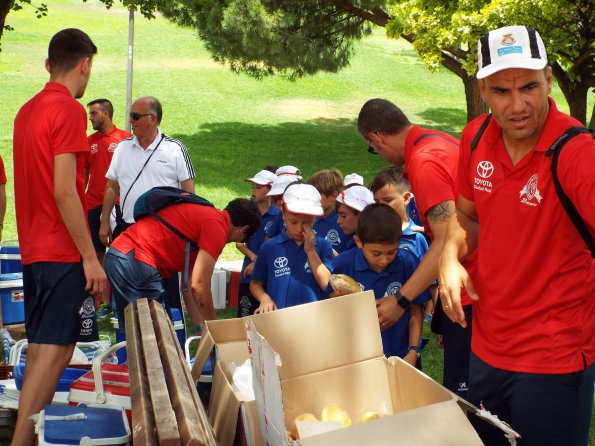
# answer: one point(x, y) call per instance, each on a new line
point(136, 116)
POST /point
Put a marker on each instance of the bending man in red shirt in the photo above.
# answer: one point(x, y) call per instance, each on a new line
point(49, 150)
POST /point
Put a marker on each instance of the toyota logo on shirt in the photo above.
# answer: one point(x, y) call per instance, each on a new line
point(280, 262)
point(485, 169)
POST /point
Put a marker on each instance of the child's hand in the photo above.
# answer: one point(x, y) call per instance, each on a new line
point(266, 305)
point(309, 237)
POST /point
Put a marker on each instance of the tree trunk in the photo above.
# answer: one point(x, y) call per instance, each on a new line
point(475, 104)
point(574, 92)
point(5, 6)
point(592, 123)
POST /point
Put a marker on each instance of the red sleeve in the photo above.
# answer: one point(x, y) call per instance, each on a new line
point(431, 182)
point(2, 172)
point(464, 179)
point(575, 171)
point(70, 129)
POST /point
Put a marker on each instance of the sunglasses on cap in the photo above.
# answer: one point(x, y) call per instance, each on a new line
point(136, 116)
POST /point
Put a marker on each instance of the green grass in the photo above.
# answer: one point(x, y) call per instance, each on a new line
point(232, 124)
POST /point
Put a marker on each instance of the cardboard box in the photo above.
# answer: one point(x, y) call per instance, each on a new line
point(330, 352)
point(228, 412)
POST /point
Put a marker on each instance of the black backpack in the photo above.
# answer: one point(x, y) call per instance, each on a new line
point(159, 197)
point(554, 153)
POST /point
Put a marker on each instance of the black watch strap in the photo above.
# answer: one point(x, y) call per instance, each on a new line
point(402, 301)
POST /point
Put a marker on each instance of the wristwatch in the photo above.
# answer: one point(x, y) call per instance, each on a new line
point(414, 348)
point(402, 301)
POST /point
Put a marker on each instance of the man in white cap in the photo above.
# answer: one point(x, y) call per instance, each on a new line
point(534, 283)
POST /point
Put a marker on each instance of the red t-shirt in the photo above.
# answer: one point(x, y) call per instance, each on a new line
point(49, 124)
point(535, 276)
point(431, 165)
point(101, 150)
point(2, 172)
point(156, 245)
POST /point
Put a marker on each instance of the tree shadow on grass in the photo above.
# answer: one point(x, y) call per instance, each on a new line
point(449, 120)
point(224, 153)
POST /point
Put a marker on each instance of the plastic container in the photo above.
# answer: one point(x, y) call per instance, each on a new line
point(178, 322)
point(12, 298)
point(68, 377)
point(10, 257)
point(105, 384)
point(100, 425)
point(122, 354)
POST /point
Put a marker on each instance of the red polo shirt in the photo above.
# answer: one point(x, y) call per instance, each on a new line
point(2, 172)
point(535, 277)
point(49, 124)
point(156, 245)
point(101, 150)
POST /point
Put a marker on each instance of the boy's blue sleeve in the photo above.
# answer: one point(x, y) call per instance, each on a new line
point(260, 271)
point(325, 252)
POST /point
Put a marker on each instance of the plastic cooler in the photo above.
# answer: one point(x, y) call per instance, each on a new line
point(12, 298)
point(66, 379)
point(10, 257)
point(61, 425)
point(105, 384)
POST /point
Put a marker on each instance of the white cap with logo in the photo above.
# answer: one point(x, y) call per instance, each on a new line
point(281, 183)
point(288, 170)
point(353, 178)
point(263, 178)
point(510, 47)
point(302, 199)
point(356, 197)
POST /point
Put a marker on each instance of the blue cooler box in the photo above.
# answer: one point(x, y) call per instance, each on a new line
point(102, 425)
point(10, 257)
point(12, 298)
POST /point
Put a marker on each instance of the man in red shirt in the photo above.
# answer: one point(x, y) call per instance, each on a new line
point(60, 267)
point(148, 251)
point(102, 144)
point(431, 162)
point(534, 282)
point(2, 196)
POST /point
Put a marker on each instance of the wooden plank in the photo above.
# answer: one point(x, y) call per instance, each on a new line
point(165, 419)
point(180, 393)
point(143, 424)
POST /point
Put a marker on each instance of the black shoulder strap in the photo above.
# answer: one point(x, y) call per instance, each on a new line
point(482, 129)
point(437, 135)
point(554, 152)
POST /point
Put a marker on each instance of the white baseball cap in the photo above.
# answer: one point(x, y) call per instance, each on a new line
point(281, 183)
point(510, 47)
point(263, 178)
point(353, 178)
point(302, 199)
point(288, 170)
point(356, 197)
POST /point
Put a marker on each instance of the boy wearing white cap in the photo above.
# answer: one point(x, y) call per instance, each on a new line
point(534, 285)
point(350, 203)
point(353, 179)
point(276, 195)
point(261, 185)
point(282, 276)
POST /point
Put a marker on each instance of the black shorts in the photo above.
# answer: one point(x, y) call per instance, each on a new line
point(94, 217)
point(54, 294)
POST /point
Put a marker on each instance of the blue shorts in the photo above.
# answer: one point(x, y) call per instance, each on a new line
point(54, 295)
point(130, 280)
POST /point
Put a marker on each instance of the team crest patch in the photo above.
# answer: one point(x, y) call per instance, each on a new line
point(393, 288)
point(333, 237)
point(530, 192)
point(508, 40)
point(112, 147)
point(307, 267)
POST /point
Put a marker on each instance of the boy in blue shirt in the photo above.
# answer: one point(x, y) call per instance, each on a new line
point(391, 188)
point(329, 183)
point(261, 185)
point(283, 276)
point(378, 264)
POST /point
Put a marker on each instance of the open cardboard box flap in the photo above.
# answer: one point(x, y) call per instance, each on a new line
point(324, 334)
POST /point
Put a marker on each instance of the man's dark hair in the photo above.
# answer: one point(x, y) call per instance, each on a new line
point(379, 223)
point(244, 212)
point(390, 175)
point(382, 116)
point(67, 48)
point(105, 105)
point(271, 168)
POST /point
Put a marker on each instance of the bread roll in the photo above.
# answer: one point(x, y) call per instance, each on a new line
point(344, 284)
point(335, 412)
point(293, 432)
point(369, 416)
